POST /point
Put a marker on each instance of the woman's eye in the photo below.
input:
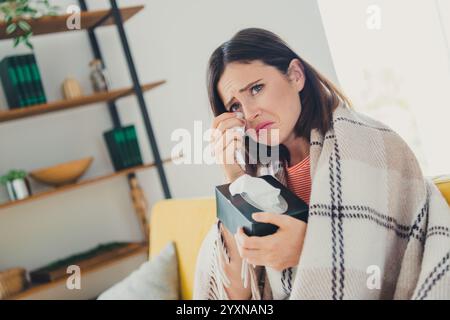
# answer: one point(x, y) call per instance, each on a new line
point(234, 107)
point(256, 88)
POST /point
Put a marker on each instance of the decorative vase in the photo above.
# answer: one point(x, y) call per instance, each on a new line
point(98, 75)
point(71, 88)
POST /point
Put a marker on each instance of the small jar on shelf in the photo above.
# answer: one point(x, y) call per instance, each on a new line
point(98, 75)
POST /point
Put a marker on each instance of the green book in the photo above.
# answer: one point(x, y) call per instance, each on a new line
point(130, 147)
point(131, 135)
point(23, 88)
point(119, 139)
point(29, 71)
point(123, 147)
point(20, 92)
point(112, 150)
point(10, 83)
point(29, 83)
point(133, 147)
point(36, 75)
point(127, 148)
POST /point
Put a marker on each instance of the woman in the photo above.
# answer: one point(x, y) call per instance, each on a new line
point(369, 206)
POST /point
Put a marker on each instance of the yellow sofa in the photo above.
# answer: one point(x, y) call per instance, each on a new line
point(186, 222)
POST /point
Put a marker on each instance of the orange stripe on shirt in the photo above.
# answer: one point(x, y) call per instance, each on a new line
point(299, 179)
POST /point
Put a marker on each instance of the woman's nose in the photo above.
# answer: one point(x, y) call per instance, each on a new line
point(251, 113)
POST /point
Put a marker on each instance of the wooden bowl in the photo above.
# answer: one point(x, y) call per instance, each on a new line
point(64, 173)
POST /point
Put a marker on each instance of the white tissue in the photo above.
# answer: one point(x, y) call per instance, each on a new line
point(259, 193)
point(241, 130)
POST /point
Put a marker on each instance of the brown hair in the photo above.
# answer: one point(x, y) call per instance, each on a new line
point(318, 98)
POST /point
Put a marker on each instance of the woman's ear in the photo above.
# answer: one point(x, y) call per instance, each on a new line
point(296, 74)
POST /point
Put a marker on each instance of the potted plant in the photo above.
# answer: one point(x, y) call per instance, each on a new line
point(16, 12)
point(17, 184)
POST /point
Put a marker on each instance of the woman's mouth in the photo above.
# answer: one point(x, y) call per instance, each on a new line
point(263, 125)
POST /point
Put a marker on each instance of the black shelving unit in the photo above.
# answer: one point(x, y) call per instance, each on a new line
point(113, 16)
point(112, 108)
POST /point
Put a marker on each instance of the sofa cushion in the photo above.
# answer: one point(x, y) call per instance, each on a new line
point(443, 184)
point(185, 222)
point(156, 279)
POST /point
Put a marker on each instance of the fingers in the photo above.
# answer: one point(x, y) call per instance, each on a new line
point(254, 257)
point(224, 140)
point(226, 128)
point(228, 122)
point(224, 149)
point(229, 156)
point(248, 243)
point(249, 248)
point(222, 117)
point(280, 220)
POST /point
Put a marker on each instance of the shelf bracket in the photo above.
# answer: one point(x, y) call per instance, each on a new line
point(101, 21)
point(112, 107)
point(142, 105)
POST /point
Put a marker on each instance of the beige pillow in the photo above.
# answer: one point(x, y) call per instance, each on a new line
point(156, 279)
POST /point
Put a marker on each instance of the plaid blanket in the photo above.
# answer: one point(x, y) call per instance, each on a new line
point(377, 228)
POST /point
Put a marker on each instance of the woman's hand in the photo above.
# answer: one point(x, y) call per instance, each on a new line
point(225, 142)
point(280, 250)
point(236, 290)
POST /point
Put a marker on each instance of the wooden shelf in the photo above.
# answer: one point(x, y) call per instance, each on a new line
point(133, 249)
point(61, 105)
point(49, 25)
point(88, 19)
point(81, 183)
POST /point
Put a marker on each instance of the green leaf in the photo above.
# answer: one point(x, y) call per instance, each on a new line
point(12, 175)
point(17, 41)
point(28, 44)
point(25, 26)
point(6, 11)
point(11, 28)
point(29, 10)
point(21, 9)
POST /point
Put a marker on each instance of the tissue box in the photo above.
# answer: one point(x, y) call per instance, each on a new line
point(235, 212)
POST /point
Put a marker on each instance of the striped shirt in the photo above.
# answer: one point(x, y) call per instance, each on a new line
point(299, 179)
point(299, 182)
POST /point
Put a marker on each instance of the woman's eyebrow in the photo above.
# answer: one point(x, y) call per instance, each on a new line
point(242, 90)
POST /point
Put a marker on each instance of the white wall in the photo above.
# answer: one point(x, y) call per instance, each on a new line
point(405, 84)
point(170, 40)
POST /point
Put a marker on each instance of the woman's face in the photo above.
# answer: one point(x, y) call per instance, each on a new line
point(267, 98)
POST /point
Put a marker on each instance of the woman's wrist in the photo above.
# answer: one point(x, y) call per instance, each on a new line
point(230, 245)
point(232, 175)
point(236, 290)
